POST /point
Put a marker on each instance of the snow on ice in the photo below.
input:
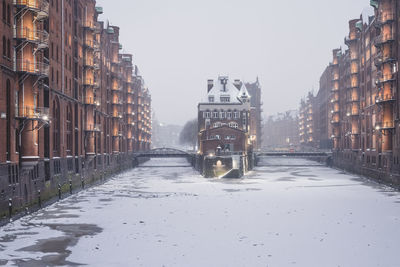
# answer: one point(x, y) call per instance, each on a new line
point(279, 215)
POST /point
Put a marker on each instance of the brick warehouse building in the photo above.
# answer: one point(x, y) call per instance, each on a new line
point(254, 90)
point(71, 106)
point(364, 103)
point(224, 118)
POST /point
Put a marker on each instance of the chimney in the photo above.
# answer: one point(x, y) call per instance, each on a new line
point(210, 85)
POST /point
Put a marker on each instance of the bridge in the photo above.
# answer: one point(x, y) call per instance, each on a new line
point(266, 158)
point(163, 153)
point(293, 154)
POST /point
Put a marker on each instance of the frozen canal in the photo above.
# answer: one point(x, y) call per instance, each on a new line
point(299, 215)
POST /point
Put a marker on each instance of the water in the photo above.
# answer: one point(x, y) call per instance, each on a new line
point(290, 213)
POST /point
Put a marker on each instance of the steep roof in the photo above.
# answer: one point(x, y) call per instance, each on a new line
point(223, 87)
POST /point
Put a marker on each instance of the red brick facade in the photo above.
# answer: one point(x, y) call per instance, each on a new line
point(70, 105)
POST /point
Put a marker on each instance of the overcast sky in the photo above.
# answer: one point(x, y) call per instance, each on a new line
point(179, 44)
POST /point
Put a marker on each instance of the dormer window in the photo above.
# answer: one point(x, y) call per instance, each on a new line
point(211, 99)
point(225, 99)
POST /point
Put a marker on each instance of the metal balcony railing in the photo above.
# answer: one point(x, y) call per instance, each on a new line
point(118, 102)
point(31, 35)
point(32, 113)
point(349, 39)
point(382, 59)
point(93, 128)
point(384, 125)
point(91, 101)
point(88, 82)
point(386, 78)
point(88, 62)
point(40, 6)
point(117, 115)
point(38, 68)
point(383, 98)
point(384, 38)
point(385, 17)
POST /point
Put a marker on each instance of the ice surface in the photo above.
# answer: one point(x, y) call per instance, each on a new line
point(277, 216)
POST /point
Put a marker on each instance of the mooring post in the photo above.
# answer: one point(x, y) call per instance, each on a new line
point(59, 191)
point(70, 186)
point(83, 183)
point(10, 207)
point(39, 199)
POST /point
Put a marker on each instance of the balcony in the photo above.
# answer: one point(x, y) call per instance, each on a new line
point(384, 38)
point(38, 68)
point(350, 39)
point(32, 113)
point(117, 134)
point(89, 44)
point(353, 99)
point(334, 100)
point(41, 7)
point(384, 18)
point(382, 59)
point(93, 128)
point(117, 115)
point(91, 101)
point(89, 25)
point(335, 122)
point(88, 63)
point(388, 125)
point(26, 34)
point(335, 79)
point(118, 102)
point(88, 82)
point(385, 79)
point(385, 98)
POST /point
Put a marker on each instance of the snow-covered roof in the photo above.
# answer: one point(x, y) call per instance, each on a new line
point(224, 88)
point(243, 93)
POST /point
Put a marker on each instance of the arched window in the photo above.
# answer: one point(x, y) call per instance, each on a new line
point(4, 10)
point(69, 130)
point(56, 128)
point(8, 48)
point(4, 46)
point(8, 14)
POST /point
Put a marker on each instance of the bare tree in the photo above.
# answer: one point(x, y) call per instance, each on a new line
point(188, 135)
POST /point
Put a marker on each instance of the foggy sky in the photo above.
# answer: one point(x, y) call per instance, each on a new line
point(179, 44)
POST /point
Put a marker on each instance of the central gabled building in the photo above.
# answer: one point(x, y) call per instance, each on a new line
point(224, 118)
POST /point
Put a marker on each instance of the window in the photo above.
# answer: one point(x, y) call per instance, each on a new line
point(211, 99)
point(222, 115)
point(225, 99)
point(8, 14)
point(4, 46)
point(8, 112)
point(206, 115)
point(56, 128)
point(4, 10)
point(8, 48)
point(215, 114)
point(69, 129)
point(229, 115)
point(233, 125)
point(236, 115)
point(217, 124)
point(230, 137)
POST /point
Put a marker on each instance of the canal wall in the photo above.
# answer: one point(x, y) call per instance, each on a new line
point(357, 165)
point(40, 184)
